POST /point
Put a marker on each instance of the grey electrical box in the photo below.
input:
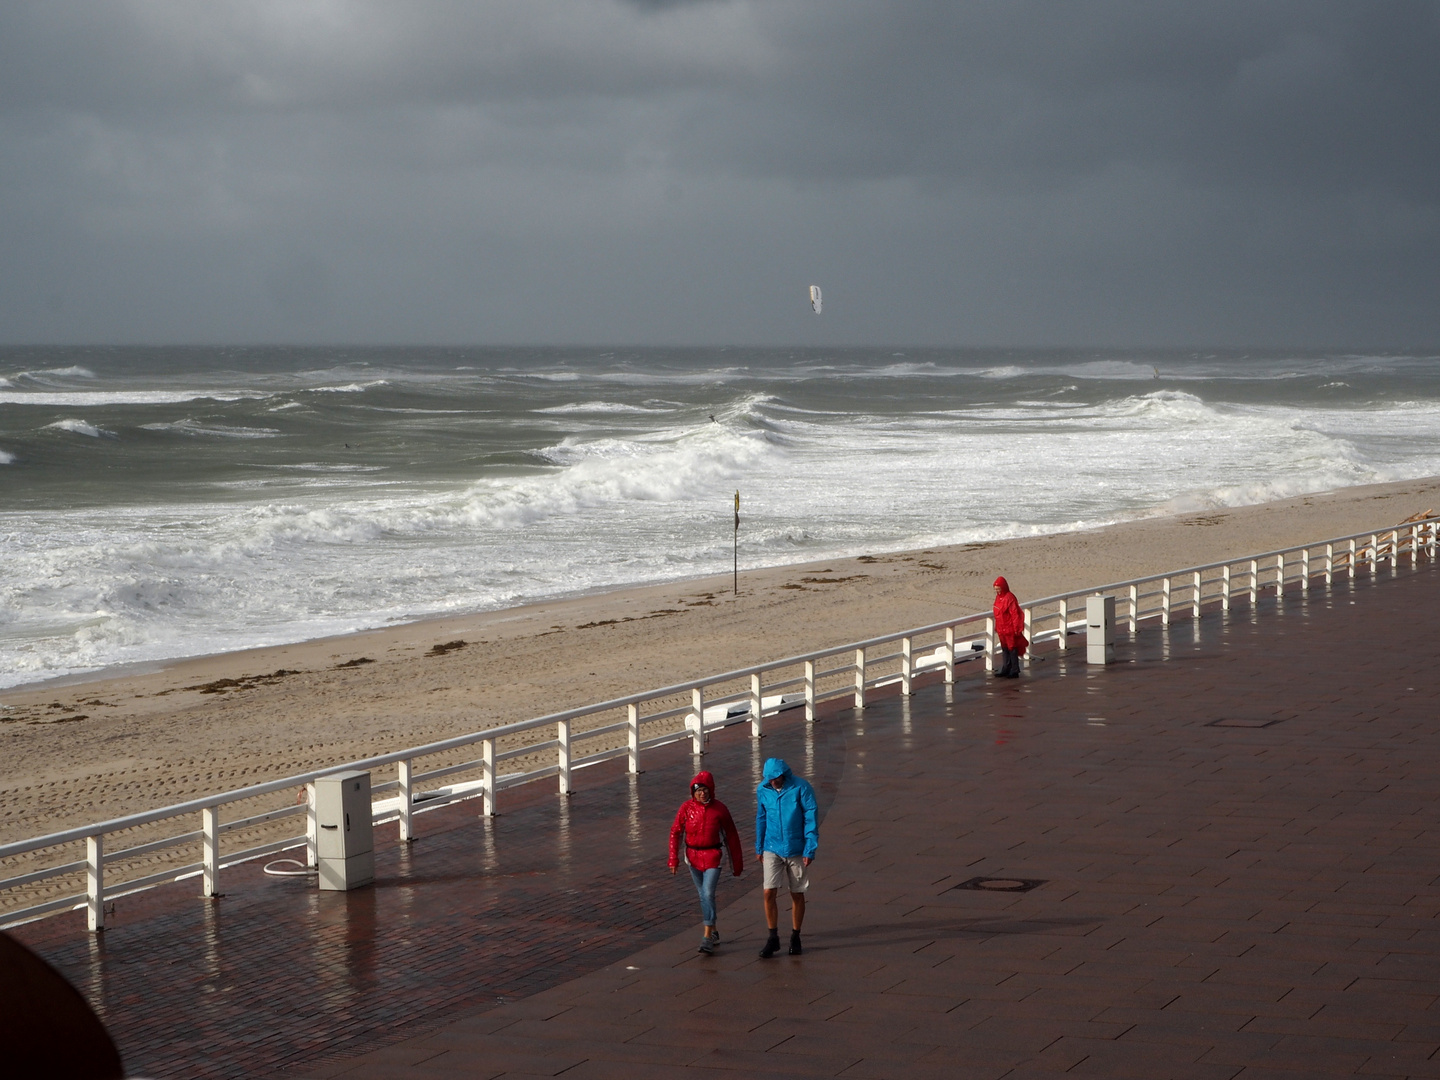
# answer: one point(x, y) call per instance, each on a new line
point(1099, 629)
point(344, 838)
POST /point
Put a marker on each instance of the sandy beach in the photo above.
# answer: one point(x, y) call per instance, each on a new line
point(102, 748)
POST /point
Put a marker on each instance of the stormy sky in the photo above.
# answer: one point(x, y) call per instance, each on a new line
point(1018, 172)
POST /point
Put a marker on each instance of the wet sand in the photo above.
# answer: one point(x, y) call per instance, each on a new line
point(116, 745)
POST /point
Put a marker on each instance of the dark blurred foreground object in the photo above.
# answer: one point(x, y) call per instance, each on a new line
point(46, 1027)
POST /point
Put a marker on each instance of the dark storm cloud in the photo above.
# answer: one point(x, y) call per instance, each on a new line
point(678, 171)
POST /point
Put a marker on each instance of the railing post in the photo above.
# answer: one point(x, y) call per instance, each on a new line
point(1305, 570)
point(95, 882)
point(907, 665)
point(562, 755)
point(1029, 636)
point(1414, 545)
point(406, 787)
point(809, 690)
point(210, 851)
point(312, 829)
point(757, 707)
point(487, 777)
point(949, 655)
point(990, 643)
point(1064, 624)
point(1329, 564)
point(859, 678)
point(1165, 601)
point(1430, 530)
point(632, 737)
point(1134, 609)
point(1279, 574)
point(1196, 597)
point(1254, 582)
point(1394, 548)
point(1374, 554)
point(696, 720)
point(1225, 588)
point(1353, 555)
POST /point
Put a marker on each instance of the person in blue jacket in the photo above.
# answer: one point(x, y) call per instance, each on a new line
point(786, 836)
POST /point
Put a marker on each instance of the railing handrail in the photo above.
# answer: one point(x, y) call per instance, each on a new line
point(210, 802)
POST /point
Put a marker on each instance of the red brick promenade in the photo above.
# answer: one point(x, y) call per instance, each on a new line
point(1256, 898)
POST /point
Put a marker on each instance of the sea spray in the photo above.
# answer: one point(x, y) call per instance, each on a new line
point(252, 497)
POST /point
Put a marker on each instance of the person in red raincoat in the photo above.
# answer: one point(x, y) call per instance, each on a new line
point(704, 825)
point(1010, 629)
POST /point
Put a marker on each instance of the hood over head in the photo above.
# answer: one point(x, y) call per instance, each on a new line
point(1003, 585)
point(705, 778)
point(775, 767)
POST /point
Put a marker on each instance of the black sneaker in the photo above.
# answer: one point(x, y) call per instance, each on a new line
point(795, 949)
point(772, 946)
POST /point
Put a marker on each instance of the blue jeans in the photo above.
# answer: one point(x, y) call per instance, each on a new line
point(705, 882)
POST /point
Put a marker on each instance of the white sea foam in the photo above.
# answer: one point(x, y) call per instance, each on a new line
point(349, 388)
point(220, 431)
point(82, 399)
point(73, 372)
point(635, 484)
point(80, 427)
point(6, 458)
point(600, 407)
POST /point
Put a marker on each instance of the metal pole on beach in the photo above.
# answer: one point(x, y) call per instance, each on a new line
point(735, 551)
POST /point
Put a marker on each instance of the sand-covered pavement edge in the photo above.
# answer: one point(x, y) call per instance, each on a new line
point(112, 746)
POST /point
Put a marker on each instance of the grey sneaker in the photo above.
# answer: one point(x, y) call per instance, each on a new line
point(715, 938)
point(707, 946)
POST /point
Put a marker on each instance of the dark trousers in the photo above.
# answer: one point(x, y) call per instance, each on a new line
point(1009, 664)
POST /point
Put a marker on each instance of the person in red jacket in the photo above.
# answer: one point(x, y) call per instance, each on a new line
point(704, 825)
point(1010, 629)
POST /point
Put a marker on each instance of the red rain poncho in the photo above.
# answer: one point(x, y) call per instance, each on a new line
point(704, 827)
point(1009, 619)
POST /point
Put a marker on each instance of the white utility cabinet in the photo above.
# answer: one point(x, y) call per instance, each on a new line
point(344, 838)
point(1099, 629)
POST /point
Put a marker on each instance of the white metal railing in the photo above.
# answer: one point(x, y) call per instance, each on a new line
point(683, 712)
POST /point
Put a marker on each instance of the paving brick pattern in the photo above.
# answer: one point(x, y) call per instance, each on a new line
point(1223, 901)
point(471, 915)
point(1220, 901)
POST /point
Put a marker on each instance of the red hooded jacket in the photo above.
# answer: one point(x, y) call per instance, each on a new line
point(1009, 619)
point(704, 826)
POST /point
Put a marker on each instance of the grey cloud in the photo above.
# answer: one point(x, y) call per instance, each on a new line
point(1027, 171)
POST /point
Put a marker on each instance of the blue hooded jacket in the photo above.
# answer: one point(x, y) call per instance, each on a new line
point(785, 820)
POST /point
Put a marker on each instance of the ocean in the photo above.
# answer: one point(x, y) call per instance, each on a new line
point(157, 503)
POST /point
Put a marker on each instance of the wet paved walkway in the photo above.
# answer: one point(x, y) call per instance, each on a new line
point(1235, 828)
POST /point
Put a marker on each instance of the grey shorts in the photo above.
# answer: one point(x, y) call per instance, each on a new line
point(789, 873)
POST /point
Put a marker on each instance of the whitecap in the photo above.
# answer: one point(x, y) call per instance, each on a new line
point(80, 427)
point(6, 459)
point(349, 388)
point(599, 407)
point(82, 399)
point(193, 427)
point(74, 372)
